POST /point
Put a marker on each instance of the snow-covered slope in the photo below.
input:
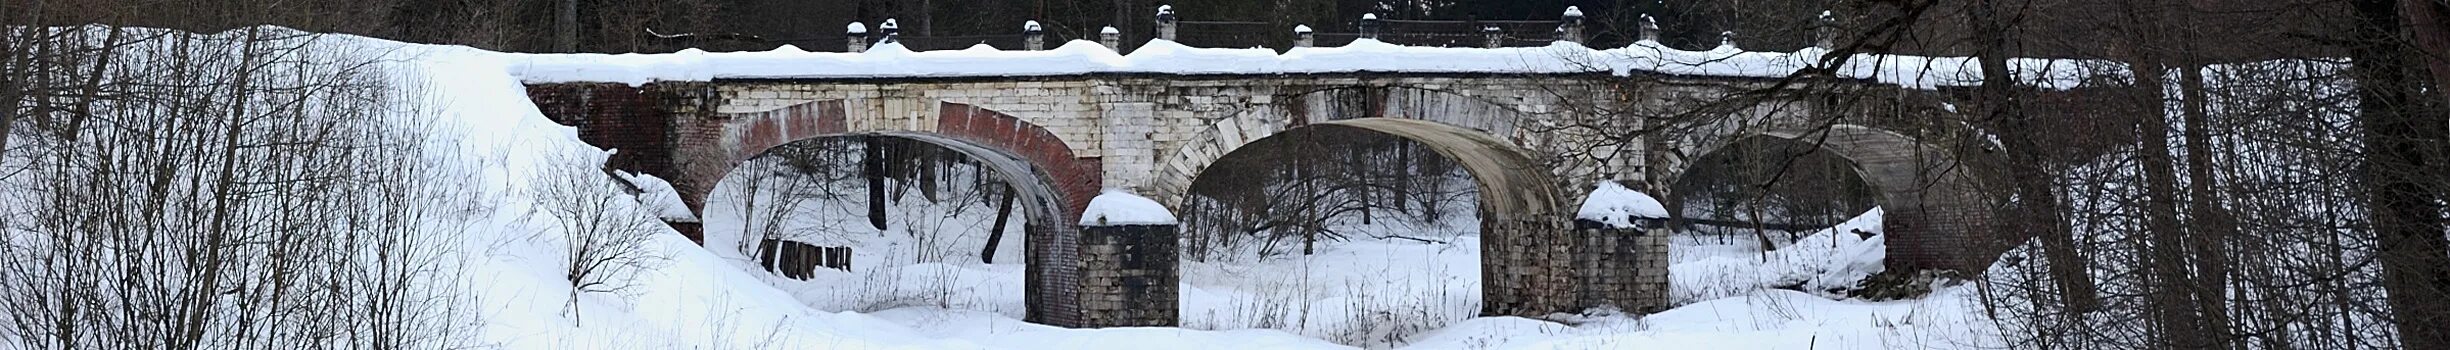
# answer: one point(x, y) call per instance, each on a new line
point(693, 299)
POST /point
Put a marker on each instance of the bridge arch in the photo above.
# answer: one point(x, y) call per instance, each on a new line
point(1525, 265)
point(1933, 214)
point(1500, 118)
point(1053, 185)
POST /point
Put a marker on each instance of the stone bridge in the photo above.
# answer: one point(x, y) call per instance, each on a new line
point(1536, 140)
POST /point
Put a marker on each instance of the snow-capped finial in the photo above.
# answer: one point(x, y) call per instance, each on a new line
point(1033, 37)
point(889, 25)
point(1650, 29)
point(1301, 35)
point(1111, 38)
point(1824, 31)
point(1165, 10)
point(1573, 11)
point(1726, 39)
point(1369, 26)
point(857, 34)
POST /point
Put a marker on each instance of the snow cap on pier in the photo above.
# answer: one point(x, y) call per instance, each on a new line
point(1117, 207)
point(1619, 207)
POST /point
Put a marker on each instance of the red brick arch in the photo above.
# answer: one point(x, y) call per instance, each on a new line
point(1055, 185)
point(1075, 178)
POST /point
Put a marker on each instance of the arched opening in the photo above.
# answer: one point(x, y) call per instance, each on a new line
point(877, 221)
point(1049, 185)
point(1365, 231)
point(1923, 212)
point(883, 221)
point(1762, 191)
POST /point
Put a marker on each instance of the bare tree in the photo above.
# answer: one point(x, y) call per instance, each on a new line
point(231, 190)
point(605, 236)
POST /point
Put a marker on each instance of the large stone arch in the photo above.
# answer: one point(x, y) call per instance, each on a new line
point(1934, 214)
point(1502, 118)
point(1526, 267)
point(1054, 185)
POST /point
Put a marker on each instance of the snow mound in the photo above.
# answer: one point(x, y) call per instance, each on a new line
point(1618, 206)
point(655, 193)
point(1117, 208)
point(1826, 263)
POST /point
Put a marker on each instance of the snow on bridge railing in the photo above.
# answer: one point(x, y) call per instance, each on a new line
point(892, 59)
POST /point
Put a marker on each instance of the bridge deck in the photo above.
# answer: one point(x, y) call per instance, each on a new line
point(1165, 57)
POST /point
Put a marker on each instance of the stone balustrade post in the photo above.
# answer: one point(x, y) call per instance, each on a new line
point(1824, 31)
point(1495, 38)
point(1112, 38)
point(1369, 26)
point(1301, 36)
point(1033, 37)
point(1570, 28)
point(1650, 29)
point(857, 37)
point(1165, 22)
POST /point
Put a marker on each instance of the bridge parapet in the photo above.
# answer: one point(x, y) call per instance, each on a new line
point(1530, 137)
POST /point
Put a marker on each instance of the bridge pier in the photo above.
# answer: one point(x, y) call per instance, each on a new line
point(1524, 268)
point(1129, 276)
point(1625, 267)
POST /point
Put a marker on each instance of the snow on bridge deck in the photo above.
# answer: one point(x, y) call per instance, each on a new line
point(890, 60)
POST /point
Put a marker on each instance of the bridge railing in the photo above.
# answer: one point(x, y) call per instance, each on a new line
point(1250, 34)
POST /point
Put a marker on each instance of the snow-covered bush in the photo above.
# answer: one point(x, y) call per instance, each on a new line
point(604, 235)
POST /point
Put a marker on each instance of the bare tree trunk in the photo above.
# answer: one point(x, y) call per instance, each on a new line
point(2211, 226)
point(2401, 145)
point(2431, 28)
point(873, 168)
point(995, 232)
point(2037, 207)
point(2172, 303)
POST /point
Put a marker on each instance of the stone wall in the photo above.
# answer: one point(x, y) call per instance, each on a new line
point(1129, 276)
point(1621, 267)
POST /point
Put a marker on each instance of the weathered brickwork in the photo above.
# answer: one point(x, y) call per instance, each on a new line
point(1621, 267)
point(1533, 142)
point(1129, 275)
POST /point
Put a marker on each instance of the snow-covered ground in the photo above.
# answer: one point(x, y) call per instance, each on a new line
point(1418, 287)
point(496, 144)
